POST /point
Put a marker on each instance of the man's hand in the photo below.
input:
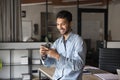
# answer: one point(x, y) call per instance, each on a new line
point(53, 53)
point(50, 52)
point(43, 50)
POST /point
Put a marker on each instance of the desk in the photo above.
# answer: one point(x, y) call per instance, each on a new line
point(47, 71)
point(50, 71)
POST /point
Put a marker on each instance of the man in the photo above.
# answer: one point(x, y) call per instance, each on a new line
point(67, 52)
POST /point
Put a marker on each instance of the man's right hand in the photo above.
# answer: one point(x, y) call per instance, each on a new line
point(43, 50)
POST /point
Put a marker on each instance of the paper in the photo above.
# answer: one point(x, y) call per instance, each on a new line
point(118, 72)
point(92, 70)
point(107, 76)
point(90, 67)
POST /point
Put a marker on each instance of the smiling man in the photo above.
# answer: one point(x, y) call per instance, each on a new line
point(68, 52)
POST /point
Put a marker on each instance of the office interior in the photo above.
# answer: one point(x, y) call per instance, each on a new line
point(26, 24)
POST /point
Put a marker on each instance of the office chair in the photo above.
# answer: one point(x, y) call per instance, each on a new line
point(109, 59)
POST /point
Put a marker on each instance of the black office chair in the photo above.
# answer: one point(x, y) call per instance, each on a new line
point(109, 59)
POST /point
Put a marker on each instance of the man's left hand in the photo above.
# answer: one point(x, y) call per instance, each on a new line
point(53, 53)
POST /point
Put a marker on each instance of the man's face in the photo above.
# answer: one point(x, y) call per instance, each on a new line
point(63, 26)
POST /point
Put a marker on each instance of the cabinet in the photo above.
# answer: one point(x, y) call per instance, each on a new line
point(13, 55)
point(49, 29)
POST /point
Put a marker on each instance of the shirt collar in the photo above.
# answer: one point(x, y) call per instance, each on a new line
point(69, 37)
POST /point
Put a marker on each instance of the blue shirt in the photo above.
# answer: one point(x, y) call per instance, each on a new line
point(72, 58)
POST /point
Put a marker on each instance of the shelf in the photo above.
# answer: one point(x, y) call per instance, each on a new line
point(19, 64)
point(11, 79)
point(6, 64)
point(20, 45)
point(15, 64)
point(12, 55)
point(16, 78)
point(35, 79)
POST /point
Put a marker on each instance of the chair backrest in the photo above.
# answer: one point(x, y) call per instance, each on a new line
point(88, 44)
point(109, 59)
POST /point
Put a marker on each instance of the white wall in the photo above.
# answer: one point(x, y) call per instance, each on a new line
point(114, 20)
point(33, 14)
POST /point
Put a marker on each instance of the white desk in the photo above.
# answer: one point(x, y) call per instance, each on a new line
point(50, 71)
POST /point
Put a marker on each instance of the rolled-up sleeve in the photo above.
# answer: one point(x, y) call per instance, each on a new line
point(49, 61)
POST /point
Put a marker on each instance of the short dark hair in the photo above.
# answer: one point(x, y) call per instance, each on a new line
point(64, 14)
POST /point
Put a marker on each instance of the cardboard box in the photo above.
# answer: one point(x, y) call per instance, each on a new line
point(36, 61)
point(24, 60)
point(26, 76)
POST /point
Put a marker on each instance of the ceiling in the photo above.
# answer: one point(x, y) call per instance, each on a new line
point(67, 2)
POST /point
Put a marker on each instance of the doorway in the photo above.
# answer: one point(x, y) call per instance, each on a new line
point(93, 26)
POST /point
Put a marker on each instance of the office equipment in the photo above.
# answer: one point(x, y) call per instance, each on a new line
point(109, 59)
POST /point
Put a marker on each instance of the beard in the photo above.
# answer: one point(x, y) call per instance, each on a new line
point(64, 32)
